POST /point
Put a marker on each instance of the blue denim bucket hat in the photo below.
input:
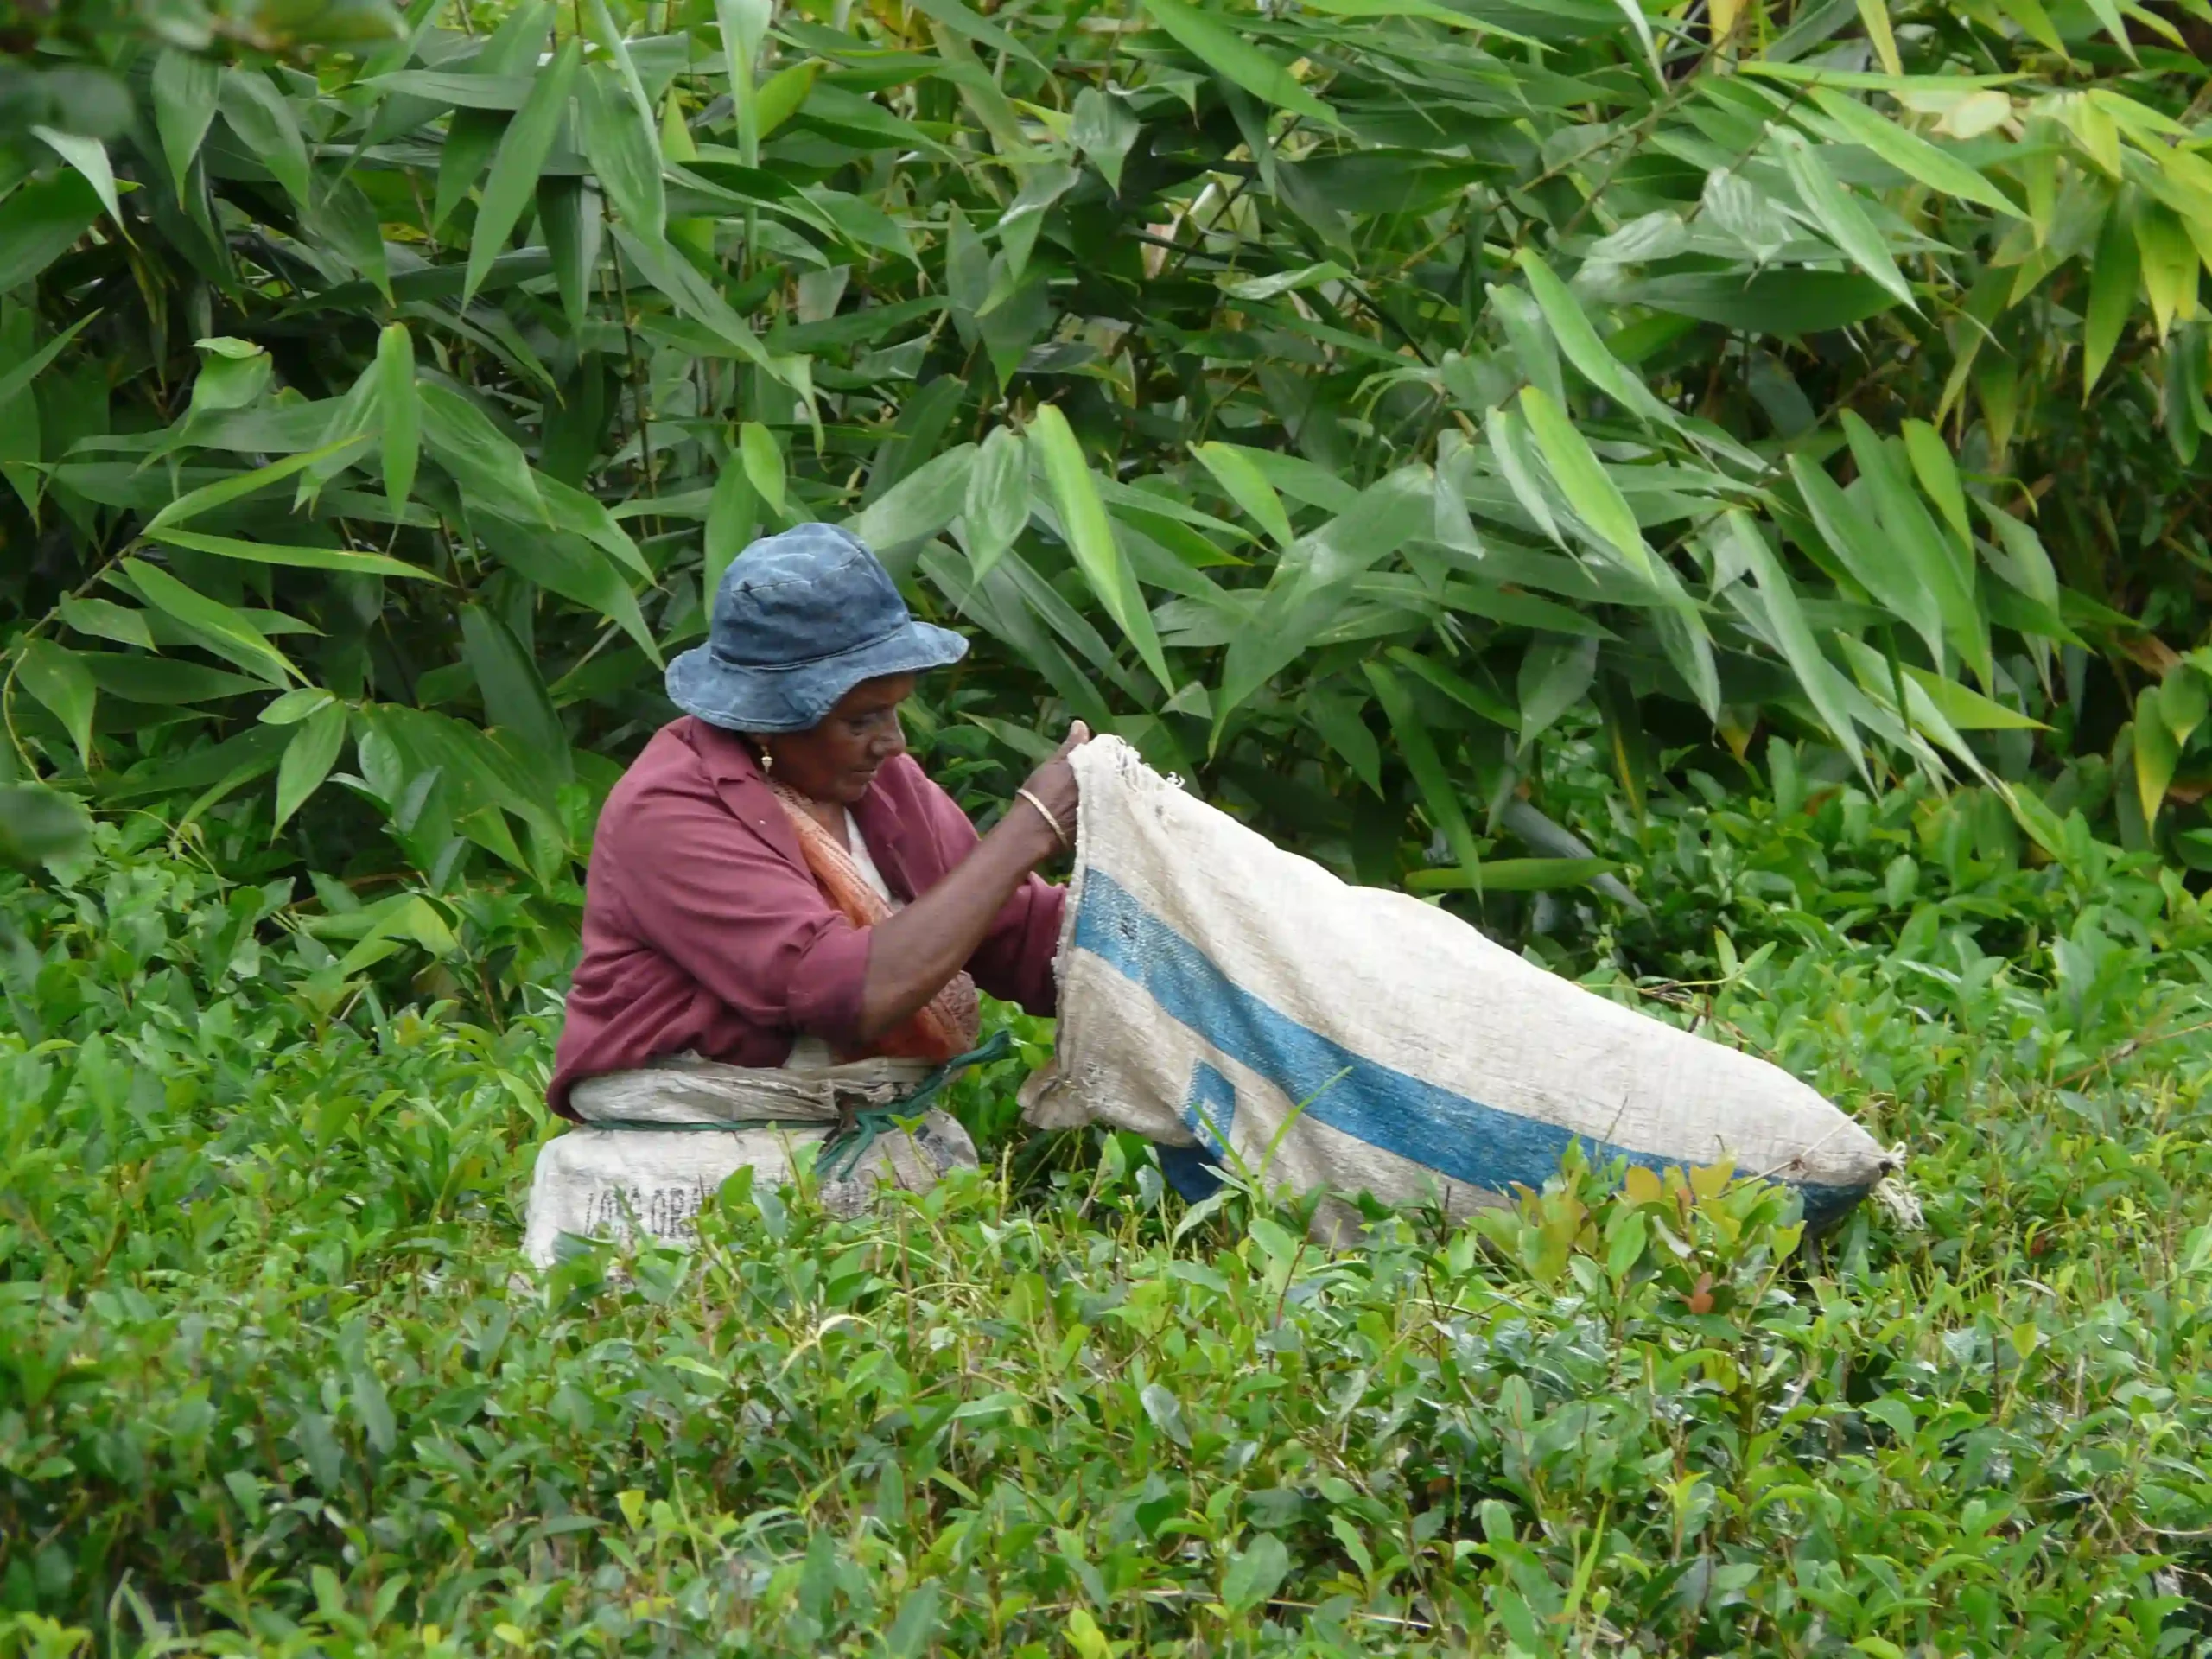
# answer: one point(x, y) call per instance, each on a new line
point(800, 618)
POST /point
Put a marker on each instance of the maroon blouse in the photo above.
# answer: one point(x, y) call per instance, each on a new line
point(704, 930)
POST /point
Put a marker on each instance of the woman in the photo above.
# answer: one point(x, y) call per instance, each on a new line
point(774, 882)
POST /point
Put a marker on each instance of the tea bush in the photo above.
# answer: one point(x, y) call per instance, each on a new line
point(269, 1382)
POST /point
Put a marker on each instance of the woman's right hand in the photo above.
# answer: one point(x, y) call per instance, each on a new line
point(1053, 784)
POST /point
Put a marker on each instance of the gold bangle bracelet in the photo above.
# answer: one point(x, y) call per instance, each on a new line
point(1046, 812)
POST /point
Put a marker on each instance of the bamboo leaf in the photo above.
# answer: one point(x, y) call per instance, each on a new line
point(1419, 752)
point(185, 86)
point(1910, 153)
point(490, 469)
point(764, 464)
point(1836, 211)
point(516, 167)
point(309, 755)
point(996, 506)
point(401, 410)
point(1090, 536)
point(1876, 563)
point(40, 222)
point(59, 680)
point(1584, 483)
point(2114, 278)
point(301, 558)
point(1941, 566)
point(1215, 44)
point(209, 617)
point(237, 486)
point(1244, 484)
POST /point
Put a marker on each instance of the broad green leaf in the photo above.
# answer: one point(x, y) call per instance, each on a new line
point(263, 118)
point(1248, 487)
point(1555, 676)
point(1583, 483)
point(59, 679)
point(919, 505)
point(1875, 17)
point(567, 215)
point(290, 708)
point(783, 94)
point(303, 558)
point(209, 617)
point(1461, 689)
point(1254, 1572)
point(89, 158)
point(185, 86)
point(1516, 876)
point(40, 221)
point(492, 471)
point(1418, 750)
point(1104, 129)
point(625, 152)
point(1592, 360)
point(1339, 720)
point(515, 698)
point(764, 464)
point(2113, 279)
point(1090, 536)
point(744, 26)
point(565, 563)
point(471, 138)
point(693, 295)
point(1910, 153)
point(1216, 44)
point(237, 486)
point(309, 753)
point(996, 508)
point(1508, 445)
point(520, 160)
point(2183, 701)
point(2025, 565)
point(19, 377)
point(1878, 564)
point(733, 516)
point(1942, 567)
point(401, 412)
point(1967, 709)
point(1938, 476)
point(2157, 758)
point(962, 20)
point(1835, 211)
point(1736, 540)
point(103, 619)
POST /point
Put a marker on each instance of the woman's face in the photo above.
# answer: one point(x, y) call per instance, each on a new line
point(838, 759)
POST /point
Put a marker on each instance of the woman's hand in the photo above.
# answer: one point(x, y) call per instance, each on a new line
point(917, 951)
point(1053, 784)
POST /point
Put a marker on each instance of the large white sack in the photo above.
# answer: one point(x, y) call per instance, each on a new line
point(616, 1183)
point(1210, 984)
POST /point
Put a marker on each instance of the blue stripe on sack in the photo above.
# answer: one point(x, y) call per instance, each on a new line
point(1399, 1114)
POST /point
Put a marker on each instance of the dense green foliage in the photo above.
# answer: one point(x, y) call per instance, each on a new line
point(264, 1376)
point(1330, 399)
point(1712, 490)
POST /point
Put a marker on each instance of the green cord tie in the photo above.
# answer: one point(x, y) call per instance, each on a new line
point(847, 1144)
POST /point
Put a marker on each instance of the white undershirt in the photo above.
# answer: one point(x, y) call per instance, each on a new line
point(812, 1050)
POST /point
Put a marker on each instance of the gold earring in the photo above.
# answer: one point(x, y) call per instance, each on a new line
point(767, 762)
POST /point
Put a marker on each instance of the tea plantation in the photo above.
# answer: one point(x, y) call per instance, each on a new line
point(271, 1381)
